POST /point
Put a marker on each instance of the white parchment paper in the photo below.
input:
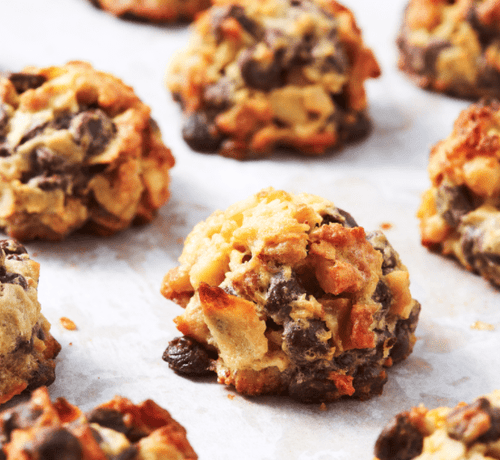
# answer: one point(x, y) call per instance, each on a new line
point(110, 286)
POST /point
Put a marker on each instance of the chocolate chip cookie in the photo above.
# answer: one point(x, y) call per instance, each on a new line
point(467, 431)
point(460, 213)
point(116, 430)
point(452, 46)
point(260, 75)
point(287, 294)
point(78, 149)
point(27, 349)
point(154, 10)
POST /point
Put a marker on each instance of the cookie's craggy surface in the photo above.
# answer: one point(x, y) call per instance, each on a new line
point(286, 294)
point(27, 349)
point(460, 213)
point(154, 10)
point(260, 74)
point(452, 46)
point(116, 430)
point(468, 431)
point(77, 148)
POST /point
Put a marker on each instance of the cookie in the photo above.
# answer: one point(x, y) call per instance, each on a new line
point(286, 294)
point(467, 431)
point(451, 46)
point(78, 149)
point(263, 74)
point(154, 10)
point(115, 430)
point(27, 349)
point(460, 213)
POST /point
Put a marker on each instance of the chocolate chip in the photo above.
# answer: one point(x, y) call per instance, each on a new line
point(281, 293)
point(13, 278)
point(44, 374)
point(108, 418)
point(59, 444)
point(11, 247)
point(453, 202)
point(302, 343)
point(24, 81)
point(380, 243)
point(23, 345)
point(403, 332)
point(4, 120)
point(93, 129)
point(262, 77)
point(5, 150)
point(46, 166)
point(21, 416)
point(217, 95)
point(311, 386)
point(339, 216)
point(237, 12)
point(486, 34)
point(399, 440)
point(130, 453)
point(200, 133)
point(186, 356)
point(382, 295)
point(33, 132)
point(369, 380)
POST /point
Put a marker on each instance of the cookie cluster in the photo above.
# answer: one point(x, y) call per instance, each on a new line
point(78, 149)
point(27, 349)
point(287, 294)
point(262, 74)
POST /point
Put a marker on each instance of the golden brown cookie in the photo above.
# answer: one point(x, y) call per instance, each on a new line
point(77, 149)
point(467, 431)
point(27, 349)
point(287, 294)
point(452, 46)
point(116, 430)
point(262, 74)
point(154, 10)
point(460, 213)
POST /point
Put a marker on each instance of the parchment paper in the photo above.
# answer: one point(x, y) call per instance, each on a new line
point(110, 286)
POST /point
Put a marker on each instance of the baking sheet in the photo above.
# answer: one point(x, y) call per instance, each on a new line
point(110, 286)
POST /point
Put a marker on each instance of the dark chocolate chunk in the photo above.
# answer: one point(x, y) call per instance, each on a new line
point(44, 374)
point(23, 345)
point(263, 78)
point(58, 444)
point(94, 129)
point(237, 12)
point(4, 120)
point(382, 295)
point(130, 453)
point(399, 440)
point(11, 247)
point(25, 81)
point(5, 150)
point(200, 133)
point(311, 386)
point(379, 242)
point(302, 342)
point(48, 169)
point(280, 294)
point(339, 217)
point(486, 34)
point(108, 418)
point(33, 132)
point(186, 356)
point(453, 202)
point(404, 329)
point(13, 278)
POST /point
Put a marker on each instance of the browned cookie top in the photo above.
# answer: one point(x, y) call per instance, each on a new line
point(116, 430)
point(259, 74)
point(287, 294)
point(452, 46)
point(77, 148)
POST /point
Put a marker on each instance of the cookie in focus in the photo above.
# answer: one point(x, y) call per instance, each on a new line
point(27, 348)
point(117, 429)
point(452, 46)
point(460, 213)
point(286, 294)
point(78, 149)
point(464, 432)
point(258, 75)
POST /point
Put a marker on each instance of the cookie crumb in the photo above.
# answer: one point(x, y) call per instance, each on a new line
point(386, 226)
point(231, 397)
point(482, 326)
point(67, 324)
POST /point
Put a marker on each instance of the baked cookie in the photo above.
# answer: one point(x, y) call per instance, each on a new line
point(154, 10)
point(452, 46)
point(259, 74)
point(77, 149)
point(467, 431)
point(460, 213)
point(27, 349)
point(287, 294)
point(116, 430)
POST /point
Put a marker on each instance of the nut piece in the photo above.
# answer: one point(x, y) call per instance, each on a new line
point(286, 294)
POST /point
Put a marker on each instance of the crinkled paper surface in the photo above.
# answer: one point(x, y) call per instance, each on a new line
point(110, 286)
